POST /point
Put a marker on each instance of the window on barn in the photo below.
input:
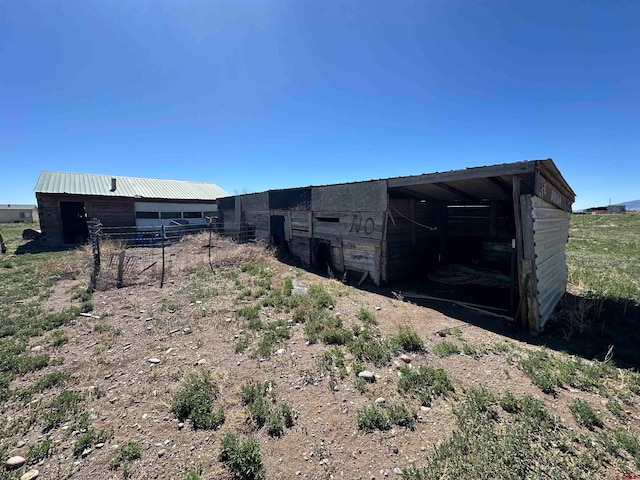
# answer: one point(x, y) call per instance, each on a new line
point(191, 214)
point(169, 215)
point(147, 215)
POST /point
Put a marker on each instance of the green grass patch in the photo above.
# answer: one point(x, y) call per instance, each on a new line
point(550, 373)
point(367, 317)
point(243, 458)
point(195, 402)
point(251, 313)
point(254, 397)
point(191, 475)
point(127, 453)
point(63, 408)
point(372, 418)
point(424, 383)
point(59, 338)
point(584, 414)
point(445, 349)
point(407, 340)
point(41, 450)
point(604, 264)
point(473, 350)
point(485, 446)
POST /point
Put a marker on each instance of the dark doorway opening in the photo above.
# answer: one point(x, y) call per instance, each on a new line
point(278, 238)
point(74, 222)
point(321, 251)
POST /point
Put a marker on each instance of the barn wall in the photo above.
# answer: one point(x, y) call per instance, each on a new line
point(350, 220)
point(350, 197)
point(292, 199)
point(255, 216)
point(227, 216)
point(49, 219)
point(550, 236)
point(111, 212)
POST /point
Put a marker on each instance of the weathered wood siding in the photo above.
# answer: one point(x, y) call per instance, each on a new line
point(114, 212)
point(50, 224)
point(351, 218)
point(227, 216)
point(550, 236)
point(255, 216)
point(366, 226)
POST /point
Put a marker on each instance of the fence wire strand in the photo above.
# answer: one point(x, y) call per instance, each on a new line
point(125, 256)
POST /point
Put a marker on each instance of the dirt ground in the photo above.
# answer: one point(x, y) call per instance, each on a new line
point(191, 324)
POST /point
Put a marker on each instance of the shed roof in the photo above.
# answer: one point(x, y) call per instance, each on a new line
point(480, 182)
point(130, 187)
point(16, 206)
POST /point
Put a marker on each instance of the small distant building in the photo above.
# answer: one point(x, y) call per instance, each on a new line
point(609, 209)
point(67, 200)
point(10, 213)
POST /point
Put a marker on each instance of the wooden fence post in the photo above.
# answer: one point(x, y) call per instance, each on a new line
point(95, 234)
point(119, 281)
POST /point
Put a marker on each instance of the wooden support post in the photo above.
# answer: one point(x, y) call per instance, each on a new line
point(493, 220)
point(521, 311)
point(529, 262)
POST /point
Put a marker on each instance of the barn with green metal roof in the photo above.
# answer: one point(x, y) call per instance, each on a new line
point(67, 200)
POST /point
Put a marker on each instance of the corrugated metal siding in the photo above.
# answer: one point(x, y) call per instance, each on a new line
point(550, 235)
point(130, 187)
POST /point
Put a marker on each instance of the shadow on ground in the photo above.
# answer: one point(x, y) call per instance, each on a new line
point(607, 323)
point(36, 246)
point(580, 326)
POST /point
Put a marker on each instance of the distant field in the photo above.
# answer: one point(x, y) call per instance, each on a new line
point(603, 256)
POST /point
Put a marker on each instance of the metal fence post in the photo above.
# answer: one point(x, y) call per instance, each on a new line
point(162, 237)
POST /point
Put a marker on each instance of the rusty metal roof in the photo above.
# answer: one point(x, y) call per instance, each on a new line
point(130, 187)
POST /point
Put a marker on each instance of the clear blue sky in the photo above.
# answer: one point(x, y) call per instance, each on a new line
point(253, 95)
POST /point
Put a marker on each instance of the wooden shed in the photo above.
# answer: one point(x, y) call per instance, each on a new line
point(67, 200)
point(493, 234)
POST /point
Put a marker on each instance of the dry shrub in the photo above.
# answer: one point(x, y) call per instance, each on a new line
point(575, 314)
point(74, 264)
point(227, 253)
point(143, 265)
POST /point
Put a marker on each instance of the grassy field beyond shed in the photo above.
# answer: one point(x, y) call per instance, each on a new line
point(604, 256)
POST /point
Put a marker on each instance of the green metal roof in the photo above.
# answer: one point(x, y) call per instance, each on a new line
point(130, 187)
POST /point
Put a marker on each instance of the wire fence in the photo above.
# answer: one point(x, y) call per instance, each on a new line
point(124, 256)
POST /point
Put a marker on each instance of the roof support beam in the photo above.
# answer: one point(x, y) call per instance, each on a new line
point(501, 184)
point(455, 191)
point(409, 192)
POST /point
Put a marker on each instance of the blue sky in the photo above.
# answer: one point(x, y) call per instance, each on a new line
point(253, 95)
